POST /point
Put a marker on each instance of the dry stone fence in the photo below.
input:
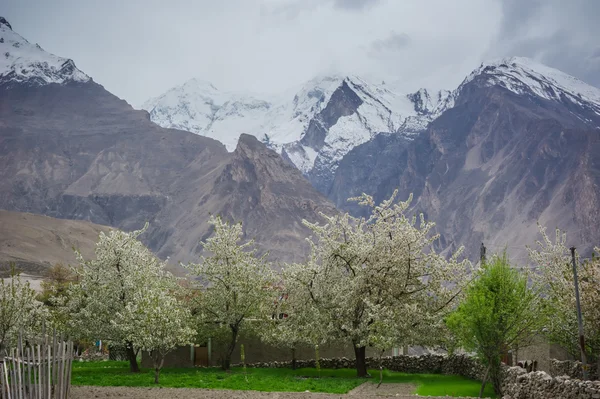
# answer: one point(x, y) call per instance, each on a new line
point(572, 369)
point(436, 364)
point(519, 384)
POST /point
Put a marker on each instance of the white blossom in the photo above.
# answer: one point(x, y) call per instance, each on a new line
point(126, 296)
point(377, 281)
point(20, 312)
point(554, 271)
point(237, 286)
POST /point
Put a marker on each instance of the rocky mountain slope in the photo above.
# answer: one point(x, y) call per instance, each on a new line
point(520, 145)
point(515, 144)
point(71, 150)
point(35, 242)
point(312, 126)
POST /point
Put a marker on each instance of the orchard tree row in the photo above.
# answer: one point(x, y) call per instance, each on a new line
point(370, 282)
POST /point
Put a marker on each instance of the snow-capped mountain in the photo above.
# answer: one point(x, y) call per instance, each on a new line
point(23, 62)
point(313, 125)
point(524, 76)
point(520, 146)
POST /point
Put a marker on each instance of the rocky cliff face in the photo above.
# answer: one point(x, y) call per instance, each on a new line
point(71, 150)
point(77, 152)
point(253, 185)
point(491, 167)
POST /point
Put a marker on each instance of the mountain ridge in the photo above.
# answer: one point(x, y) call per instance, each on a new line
point(509, 147)
point(331, 115)
point(490, 168)
point(70, 149)
point(23, 62)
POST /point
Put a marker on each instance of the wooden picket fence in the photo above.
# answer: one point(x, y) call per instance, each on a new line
point(37, 372)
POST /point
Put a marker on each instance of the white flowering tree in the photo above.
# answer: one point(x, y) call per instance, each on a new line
point(20, 312)
point(378, 281)
point(157, 320)
point(590, 287)
point(112, 300)
point(294, 321)
point(238, 286)
point(554, 271)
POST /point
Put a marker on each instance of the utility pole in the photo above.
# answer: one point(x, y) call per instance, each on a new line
point(482, 255)
point(579, 320)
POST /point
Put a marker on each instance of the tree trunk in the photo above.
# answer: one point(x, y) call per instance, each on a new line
point(159, 361)
point(495, 376)
point(361, 363)
point(227, 358)
point(380, 372)
point(293, 358)
point(132, 356)
point(485, 378)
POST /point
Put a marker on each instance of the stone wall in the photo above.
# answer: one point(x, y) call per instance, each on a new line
point(572, 369)
point(435, 364)
point(519, 384)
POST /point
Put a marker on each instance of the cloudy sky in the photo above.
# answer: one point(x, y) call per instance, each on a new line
point(139, 48)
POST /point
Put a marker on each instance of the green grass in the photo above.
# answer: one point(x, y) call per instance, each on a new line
point(109, 373)
point(437, 384)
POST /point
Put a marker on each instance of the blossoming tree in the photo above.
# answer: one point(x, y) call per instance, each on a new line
point(19, 311)
point(378, 281)
point(554, 271)
point(237, 285)
point(157, 321)
point(124, 296)
point(294, 321)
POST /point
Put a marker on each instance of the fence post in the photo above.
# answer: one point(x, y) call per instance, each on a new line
point(579, 319)
point(482, 251)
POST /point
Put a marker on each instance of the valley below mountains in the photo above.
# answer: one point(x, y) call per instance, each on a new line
point(516, 144)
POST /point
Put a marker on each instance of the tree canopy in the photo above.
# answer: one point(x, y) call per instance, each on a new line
point(499, 312)
point(376, 281)
point(238, 286)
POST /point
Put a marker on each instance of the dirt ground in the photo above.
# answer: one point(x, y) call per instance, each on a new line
point(385, 390)
point(367, 390)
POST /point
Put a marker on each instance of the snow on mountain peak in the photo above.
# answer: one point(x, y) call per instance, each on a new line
point(200, 85)
point(23, 62)
point(338, 112)
point(523, 75)
point(4, 22)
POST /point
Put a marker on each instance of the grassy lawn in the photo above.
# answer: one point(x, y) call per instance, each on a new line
point(271, 380)
point(437, 384)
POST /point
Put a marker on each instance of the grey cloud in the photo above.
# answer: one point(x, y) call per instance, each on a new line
point(393, 43)
point(355, 4)
point(140, 48)
point(561, 34)
point(516, 15)
point(296, 8)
